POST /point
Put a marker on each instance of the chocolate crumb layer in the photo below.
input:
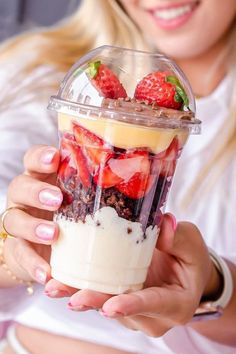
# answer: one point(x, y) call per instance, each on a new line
point(144, 108)
point(78, 202)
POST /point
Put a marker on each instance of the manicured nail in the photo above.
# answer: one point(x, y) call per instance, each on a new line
point(45, 232)
point(57, 293)
point(173, 221)
point(48, 156)
point(79, 307)
point(41, 275)
point(50, 197)
point(111, 314)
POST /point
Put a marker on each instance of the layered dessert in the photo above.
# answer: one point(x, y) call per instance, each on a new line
point(115, 173)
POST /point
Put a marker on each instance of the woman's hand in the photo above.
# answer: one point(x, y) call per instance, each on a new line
point(181, 272)
point(36, 195)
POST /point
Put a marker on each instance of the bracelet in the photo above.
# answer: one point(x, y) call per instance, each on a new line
point(214, 309)
point(224, 270)
point(28, 284)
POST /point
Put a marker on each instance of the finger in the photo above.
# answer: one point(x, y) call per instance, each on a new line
point(20, 224)
point(87, 299)
point(179, 240)
point(56, 289)
point(25, 190)
point(42, 159)
point(166, 237)
point(151, 327)
point(27, 259)
point(153, 301)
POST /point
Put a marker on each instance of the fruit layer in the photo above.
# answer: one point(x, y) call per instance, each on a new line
point(123, 135)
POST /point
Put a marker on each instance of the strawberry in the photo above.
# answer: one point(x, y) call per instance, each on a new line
point(79, 161)
point(136, 187)
point(164, 163)
point(105, 178)
point(122, 168)
point(162, 89)
point(129, 173)
point(136, 174)
point(105, 81)
point(65, 171)
point(97, 152)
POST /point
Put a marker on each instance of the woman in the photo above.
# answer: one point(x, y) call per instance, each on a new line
point(203, 44)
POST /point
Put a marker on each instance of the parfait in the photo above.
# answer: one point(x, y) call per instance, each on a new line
point(119, 152)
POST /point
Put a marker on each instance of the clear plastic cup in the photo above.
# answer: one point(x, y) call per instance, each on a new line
point(118, 158)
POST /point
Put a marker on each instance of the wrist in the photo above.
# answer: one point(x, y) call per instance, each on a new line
point(215, 284)
point(218, 293)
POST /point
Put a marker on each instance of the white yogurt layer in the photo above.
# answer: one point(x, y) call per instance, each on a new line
point(105, 253)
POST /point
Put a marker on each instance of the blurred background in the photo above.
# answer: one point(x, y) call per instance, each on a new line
point(19, 15)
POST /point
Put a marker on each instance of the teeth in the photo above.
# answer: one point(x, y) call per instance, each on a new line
point(173, 13)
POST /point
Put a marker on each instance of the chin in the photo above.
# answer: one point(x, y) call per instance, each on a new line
point(178, 50)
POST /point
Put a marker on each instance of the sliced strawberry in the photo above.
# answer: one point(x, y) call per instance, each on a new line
point(79, 161)
point(136, 187)
point(129, 166)
point(134, 169)
point(96, 150)
point(105, 178)
point(105, 81)
point(65, 171)
point(164, 163)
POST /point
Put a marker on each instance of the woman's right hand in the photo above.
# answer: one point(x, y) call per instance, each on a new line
point(34, 192)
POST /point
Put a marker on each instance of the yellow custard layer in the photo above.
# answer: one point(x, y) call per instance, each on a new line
point(124, 135)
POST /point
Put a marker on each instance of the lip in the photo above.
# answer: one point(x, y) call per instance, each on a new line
point(177, 22)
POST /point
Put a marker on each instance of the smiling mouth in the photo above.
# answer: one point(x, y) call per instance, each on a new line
point(174, 14)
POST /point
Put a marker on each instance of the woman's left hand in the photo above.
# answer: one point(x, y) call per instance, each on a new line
point(180, 273)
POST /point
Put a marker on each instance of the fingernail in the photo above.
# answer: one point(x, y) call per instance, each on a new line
point(41, 275)
point(79, 307)
point(57, 293)
point(50, 197)
point(45, 232)
point(48, 156)
point(111, 314)
point(173, 221)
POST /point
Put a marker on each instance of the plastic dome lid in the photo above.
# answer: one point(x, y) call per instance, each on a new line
point(79, 92)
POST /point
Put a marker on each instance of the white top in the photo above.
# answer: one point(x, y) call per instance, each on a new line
point(31, 124)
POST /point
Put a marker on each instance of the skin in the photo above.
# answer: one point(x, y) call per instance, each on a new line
point(185, 271)
point(180, 269)
point(188, 45)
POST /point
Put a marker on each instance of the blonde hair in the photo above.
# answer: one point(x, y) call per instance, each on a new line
point(107, 23)
point(89, 27)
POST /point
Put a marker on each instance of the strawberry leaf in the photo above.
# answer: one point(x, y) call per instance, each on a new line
point(180, 92)
point(178, 98)
point(92, 69)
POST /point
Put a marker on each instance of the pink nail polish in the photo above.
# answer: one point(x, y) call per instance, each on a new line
point(173, 221)
point(48, 156)
point(79, 307)
point(45, 232)
point(41, 275)
point(111, 314)
point(50, 197)
point(52, 293)
point(57, 293)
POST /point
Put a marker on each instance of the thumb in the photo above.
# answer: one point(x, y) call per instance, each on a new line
point(179, 240)
point(166, 237)
point(183, 240)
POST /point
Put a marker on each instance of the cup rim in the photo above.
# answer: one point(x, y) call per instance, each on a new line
point(60, 105)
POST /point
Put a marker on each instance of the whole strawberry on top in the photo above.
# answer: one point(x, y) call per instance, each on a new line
point(105, 81)
point(163, 89)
